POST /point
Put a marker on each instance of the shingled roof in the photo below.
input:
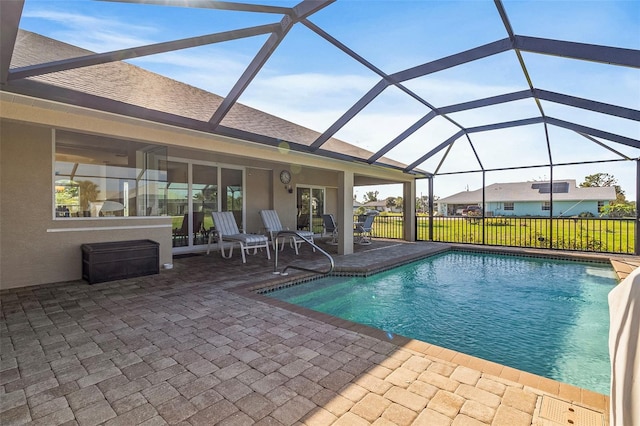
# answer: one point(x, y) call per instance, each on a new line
point(543, 95)
point(564, 190)
point(130, 84)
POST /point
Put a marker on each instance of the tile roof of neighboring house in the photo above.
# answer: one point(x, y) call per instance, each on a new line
point(565, 190)
point(133, 85)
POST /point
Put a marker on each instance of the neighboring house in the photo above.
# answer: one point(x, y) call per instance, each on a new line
point(531, 199)
point(380, 206)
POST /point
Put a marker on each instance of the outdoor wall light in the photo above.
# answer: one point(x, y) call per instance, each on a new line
point(289, 189)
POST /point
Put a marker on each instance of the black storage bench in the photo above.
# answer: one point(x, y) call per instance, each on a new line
point(119, 259)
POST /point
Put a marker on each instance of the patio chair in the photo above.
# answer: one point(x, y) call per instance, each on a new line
point(182, 233)
point(272, 225)
point(303, 222)
point(363, 230)
point(330, 227)
point(227, 229)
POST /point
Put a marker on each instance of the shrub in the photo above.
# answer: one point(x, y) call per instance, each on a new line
point(497, 221)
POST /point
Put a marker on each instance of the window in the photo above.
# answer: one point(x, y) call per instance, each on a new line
point(508, 205)
point(98, 177)
point(546, 205)
point(601, 205)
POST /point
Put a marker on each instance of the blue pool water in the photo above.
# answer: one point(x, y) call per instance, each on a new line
point(545, 316)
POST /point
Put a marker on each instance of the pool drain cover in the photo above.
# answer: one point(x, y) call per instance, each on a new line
point(556, 412)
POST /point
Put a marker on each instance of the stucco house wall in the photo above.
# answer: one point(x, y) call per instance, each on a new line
point(37, 248)
point(534, 208)
point(528, 199)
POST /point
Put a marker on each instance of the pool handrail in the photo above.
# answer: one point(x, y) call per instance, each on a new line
point(311, 243)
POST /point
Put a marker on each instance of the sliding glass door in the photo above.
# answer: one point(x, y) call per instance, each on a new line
point(177, 199)
point(233, 190)
point(193, 191)
point(310, 202)
point(204, 193)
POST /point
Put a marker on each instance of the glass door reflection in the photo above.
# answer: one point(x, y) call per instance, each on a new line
point(193, 192)
point(310, 203)
point(232, 185)
point(317, 209)
point(205, 200)
point(177, 199)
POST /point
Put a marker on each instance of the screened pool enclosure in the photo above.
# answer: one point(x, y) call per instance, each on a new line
point(456, 94)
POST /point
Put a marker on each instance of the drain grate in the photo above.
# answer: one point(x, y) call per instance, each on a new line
point(563, 413)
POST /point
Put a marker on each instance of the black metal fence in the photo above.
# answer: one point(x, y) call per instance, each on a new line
point(581, 234)
point(604, 235)
point(386, 226)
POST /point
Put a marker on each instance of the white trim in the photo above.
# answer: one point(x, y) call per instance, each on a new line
point(53, 173)
point(106, 228)
point(199, 248)
point(324, 201)
point(107, 218)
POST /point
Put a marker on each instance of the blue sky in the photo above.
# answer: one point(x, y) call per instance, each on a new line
point(310, 82)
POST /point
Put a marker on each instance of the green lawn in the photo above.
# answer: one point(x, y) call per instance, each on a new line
point(598, 235)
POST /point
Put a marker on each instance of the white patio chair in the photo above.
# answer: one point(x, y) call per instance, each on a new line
point(227, 229)
point(272, 225)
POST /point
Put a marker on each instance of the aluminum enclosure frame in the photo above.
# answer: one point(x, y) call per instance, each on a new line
point(17, 80)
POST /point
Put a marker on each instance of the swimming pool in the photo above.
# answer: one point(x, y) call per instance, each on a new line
point(545, 316)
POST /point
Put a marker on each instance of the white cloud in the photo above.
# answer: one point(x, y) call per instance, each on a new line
point(68, 19)
point(448, 91)
point(311, 99)
point(99, 34)
point(313, 91)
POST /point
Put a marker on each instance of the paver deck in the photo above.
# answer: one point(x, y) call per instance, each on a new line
point(194, 346)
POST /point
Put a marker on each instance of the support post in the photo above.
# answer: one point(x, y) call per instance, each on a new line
point(484, 173)
point(345, 213)
point(551, 206)
point(409, 210)
point(636, 228)
point(431, 208)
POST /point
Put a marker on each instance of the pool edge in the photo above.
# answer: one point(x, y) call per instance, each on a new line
point(537, 384)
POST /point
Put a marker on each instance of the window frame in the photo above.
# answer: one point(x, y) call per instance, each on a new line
point(144, 147)
point(190, 162)
point(601, 206)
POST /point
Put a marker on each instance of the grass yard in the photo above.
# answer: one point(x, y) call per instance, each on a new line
point(583, 234)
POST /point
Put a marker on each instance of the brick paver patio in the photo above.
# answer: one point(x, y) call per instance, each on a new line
point(195, 346)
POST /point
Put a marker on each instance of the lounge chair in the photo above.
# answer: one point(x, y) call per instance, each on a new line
point(363, 230)
point(330, 227)
point(272, 225)
point(227, 229)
